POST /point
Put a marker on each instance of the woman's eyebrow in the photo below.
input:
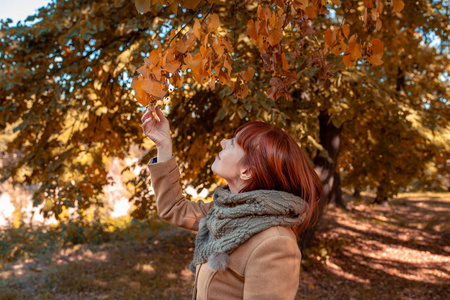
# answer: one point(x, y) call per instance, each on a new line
point(232, 142)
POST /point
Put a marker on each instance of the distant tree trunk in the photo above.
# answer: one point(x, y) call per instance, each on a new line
point(382, 195)
point(357, 193)
point(336, 192)
point(330, 139)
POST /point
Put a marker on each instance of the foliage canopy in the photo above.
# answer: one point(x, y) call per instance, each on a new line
point(68, 106)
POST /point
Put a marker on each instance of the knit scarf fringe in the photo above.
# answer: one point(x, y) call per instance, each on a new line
point(235, 218)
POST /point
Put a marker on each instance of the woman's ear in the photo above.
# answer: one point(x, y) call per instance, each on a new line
point(245, 174)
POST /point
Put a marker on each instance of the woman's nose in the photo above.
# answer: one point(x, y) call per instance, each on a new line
point(222, 143)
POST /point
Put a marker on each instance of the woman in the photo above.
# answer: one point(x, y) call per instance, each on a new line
point(246, 245)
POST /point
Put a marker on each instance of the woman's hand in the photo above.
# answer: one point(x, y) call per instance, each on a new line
point(158, 132)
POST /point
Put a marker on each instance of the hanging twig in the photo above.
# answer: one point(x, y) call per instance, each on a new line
point(195, 14)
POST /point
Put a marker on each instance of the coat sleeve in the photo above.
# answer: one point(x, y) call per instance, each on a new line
point(273, 270)
point(171, 205)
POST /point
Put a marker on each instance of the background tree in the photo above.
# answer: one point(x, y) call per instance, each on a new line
point(80, 109)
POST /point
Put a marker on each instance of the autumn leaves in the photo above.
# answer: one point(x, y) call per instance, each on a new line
point(204, 52)
point(210, 65)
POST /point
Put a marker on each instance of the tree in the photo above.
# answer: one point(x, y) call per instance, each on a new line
point(80, 109)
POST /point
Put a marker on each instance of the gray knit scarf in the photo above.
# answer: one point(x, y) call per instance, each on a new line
point(235, 218)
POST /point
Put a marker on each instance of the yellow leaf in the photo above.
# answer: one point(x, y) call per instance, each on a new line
point(143, 6)
point(190, 4)
point(310, 11)
point(197, 29)
point(398, 5)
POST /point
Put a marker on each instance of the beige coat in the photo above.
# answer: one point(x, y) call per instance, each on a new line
point(267, 266)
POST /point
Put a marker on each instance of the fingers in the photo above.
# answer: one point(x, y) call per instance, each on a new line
point(146, 115)
point(159, 114)
point(150, 122)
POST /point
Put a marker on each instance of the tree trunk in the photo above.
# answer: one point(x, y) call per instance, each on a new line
point(357, 193)
point(330, 139)
point(336, 192)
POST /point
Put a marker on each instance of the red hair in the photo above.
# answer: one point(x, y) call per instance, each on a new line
point(277, 162)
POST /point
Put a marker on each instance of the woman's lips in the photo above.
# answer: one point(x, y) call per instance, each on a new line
point(218, 157)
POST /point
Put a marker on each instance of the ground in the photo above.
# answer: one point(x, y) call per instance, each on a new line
point(400, 250)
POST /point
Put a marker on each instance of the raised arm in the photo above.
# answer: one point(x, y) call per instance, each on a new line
point(171, 205)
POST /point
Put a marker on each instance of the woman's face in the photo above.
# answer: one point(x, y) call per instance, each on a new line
point(227, 164)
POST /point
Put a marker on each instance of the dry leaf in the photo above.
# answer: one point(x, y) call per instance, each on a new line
point(398, 5)
point(197, 29)
point(310, 11)
point(143, 6)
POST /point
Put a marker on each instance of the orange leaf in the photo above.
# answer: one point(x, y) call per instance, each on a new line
point(377, 46)
point(154, 88)
point(328, 37)
point(154, 56)
point(143, 6)
point(285, 63)
point(339, 48)
point(368, 3)
point(190, 4)
point(346, 30)
point(375, 59)
point(212, 83)
point(172, 66)
point(310, 11)
point(337, 2)
point(248, 74)
point(157, 73)
point(398, 5)
point(140, 95)
point(348, 61)
point(301, 4)
point(219, 49)
point(379, 24)
point(197, 29)
point(215, 22)
point(275, 36)
point(227, 65)
point(251, 30)
point(174, 6)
